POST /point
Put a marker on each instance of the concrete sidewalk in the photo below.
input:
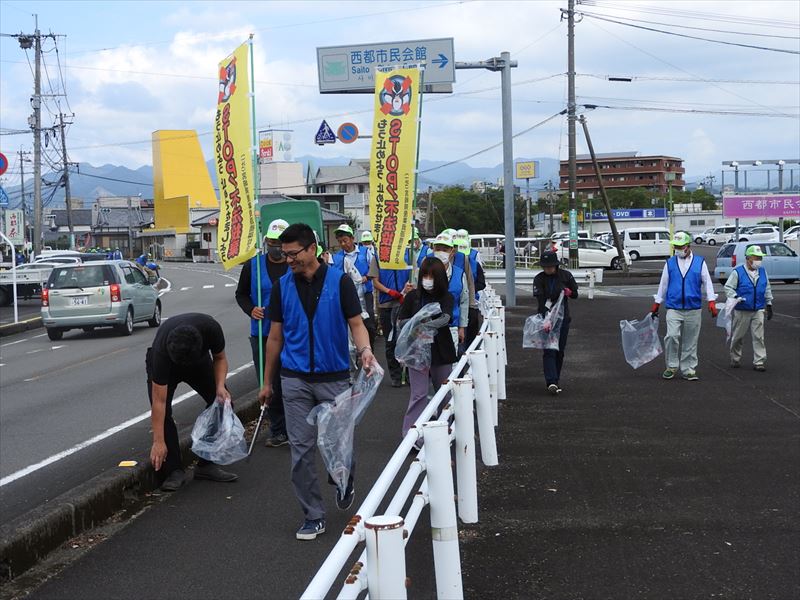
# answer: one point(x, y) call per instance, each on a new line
point(623, 486)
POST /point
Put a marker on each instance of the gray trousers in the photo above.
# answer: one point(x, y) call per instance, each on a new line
point(299, 397)
point(419, 380)
point(752, 320)
point(683, 330)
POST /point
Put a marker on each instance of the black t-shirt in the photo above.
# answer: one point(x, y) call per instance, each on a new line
point(213, 342)
point(309, 292)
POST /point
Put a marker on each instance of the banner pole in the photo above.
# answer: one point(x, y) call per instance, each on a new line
point(416, 173)
point(256, 213)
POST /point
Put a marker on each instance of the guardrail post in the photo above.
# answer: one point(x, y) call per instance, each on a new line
point(483, 406)
point(386, 559)
point(444, 526)
point(497, 326)
point(592, 278)
point(491, 355)
point(466, 476)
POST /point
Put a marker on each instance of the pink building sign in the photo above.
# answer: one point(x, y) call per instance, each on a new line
point(765, 205)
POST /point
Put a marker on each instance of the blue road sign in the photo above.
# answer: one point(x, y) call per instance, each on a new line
point(325, 134)
point(3, 198)
point(348, 133)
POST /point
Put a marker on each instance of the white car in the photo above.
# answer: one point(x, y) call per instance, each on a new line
point(758, 233)
point(594, 253)
point(792, 233)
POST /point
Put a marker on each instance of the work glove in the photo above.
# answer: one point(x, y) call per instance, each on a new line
point(568, 292)
point(395, 295)
point(768, 310)
point(654, 310)
point(712, 308)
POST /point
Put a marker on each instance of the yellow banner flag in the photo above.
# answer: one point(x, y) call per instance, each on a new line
point(392, 163)
point(236, 232)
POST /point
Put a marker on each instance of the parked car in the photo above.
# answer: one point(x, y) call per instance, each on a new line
point(594, 253)
point(564, 235)
point(757, 233)
point(702, 237)
point(781, 262)
point(646, 242)
point(717, 235)
point(30, 278)
point(109, 293)
point(792, 233)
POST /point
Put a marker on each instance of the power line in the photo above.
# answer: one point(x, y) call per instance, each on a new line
point(695, 79)
point(693, 111)
point(691, 37)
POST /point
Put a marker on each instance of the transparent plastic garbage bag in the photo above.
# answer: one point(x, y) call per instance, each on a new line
point(336, 422)
point(218, 434)
point(640, 341)
point(543, 331)
point(413, 347)
point(725, 316)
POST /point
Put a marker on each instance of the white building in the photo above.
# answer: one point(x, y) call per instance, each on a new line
point(350, 180)
point(281, 178)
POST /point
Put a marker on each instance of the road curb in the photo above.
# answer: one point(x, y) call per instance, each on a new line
point(29, 538)
point(12, 328)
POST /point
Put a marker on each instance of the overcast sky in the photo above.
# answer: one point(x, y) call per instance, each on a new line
point(135, 67)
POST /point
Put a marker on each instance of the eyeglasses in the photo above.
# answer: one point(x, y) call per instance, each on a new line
point(294, 253)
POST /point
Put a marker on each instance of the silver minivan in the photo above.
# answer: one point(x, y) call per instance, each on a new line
point(109, 293)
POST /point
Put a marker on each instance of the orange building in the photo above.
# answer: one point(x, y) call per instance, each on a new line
point(624, 170)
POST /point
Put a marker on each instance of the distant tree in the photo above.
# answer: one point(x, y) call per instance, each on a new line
point(459, 208)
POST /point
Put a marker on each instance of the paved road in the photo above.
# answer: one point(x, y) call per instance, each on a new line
point(624, 486)
point(58, 395)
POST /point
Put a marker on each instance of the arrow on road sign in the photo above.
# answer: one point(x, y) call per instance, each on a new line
point(441, 61)
point(325, 134)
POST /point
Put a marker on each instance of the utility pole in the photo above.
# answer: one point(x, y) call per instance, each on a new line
point(67, 195)
point(36, 101)
point(573, 226)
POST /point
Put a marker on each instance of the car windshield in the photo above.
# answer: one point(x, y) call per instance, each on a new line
point(80, 277)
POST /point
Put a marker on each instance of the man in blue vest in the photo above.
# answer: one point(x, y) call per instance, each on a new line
point(478, 283)
point(749, 283)
point(364, 260)
point(684, 279)
point(311, 309)
point(392, 285)
point(268, 268)
point(444, 250)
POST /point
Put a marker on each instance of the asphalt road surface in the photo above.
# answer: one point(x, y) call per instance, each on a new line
point(58, 396)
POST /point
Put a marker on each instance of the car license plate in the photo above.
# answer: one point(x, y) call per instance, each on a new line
point(80, 300)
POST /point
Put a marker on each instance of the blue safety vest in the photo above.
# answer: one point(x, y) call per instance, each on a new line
point(685, 293)
point(424, 252)
point(754, 295)
point(319, 346)
point(395, 279)
point(361, 263)
point(266, 291)
point(455, 287)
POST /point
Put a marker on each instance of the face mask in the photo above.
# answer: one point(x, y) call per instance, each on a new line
point(427, 284)
point(756, 265)
point(685, 252)
point(442, 256)
point(274, 252)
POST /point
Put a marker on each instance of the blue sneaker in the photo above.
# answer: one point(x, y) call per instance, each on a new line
point(311, 529)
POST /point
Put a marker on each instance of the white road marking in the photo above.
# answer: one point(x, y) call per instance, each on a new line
point(101, 436)
point(57, 347)
point(34, 351)
point(183, 289)
point(17, 342)
point(167, 289)
point(208, 287)
point(230, 285)
point(40, 335)
point(2, 364)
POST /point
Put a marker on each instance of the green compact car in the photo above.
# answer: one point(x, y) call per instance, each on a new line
point(108, 293)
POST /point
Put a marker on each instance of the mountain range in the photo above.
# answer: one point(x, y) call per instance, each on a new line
point(90, 182)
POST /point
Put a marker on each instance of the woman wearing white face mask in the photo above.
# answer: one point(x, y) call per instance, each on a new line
point(433, 288)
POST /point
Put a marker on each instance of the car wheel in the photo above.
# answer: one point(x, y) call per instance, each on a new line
point(616, 264)
point(54, 334)
point(155, 321)
point(698, 240)
point(788, 281)
point(127, 327)
point(88, 329)
point(712, 242)
point(742, 239)
point(634, 255)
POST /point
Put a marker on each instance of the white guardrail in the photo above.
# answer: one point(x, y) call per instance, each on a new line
point(525, 277)
point(477, 381)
